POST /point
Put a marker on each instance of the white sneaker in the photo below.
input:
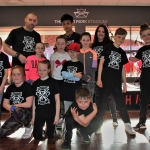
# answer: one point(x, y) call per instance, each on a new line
point(129, 129)
point(27, 133)
point(98, 131)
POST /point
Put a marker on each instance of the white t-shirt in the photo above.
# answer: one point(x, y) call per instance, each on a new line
point(59, 59)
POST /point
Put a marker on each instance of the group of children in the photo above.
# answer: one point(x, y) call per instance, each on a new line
point(76, 74)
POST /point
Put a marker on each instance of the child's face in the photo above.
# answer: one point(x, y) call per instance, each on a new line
point(83, 103)
point(119, 39)
point(61, 44)
point(43, 70)
point(73, 54)
point(101, 34)
point(85, 41)
point(39, 49)
point(67, 25)
point(145, 36)
point(17, 76)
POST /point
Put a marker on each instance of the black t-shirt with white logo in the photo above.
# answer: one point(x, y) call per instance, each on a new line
point(69, 86)
point(4, 64)
point(115, 58)
point(18, 95)
point(45, 91)
point(22, 41)
point(85, 112)
point(74, 37)
point(144, 55)
point(98, 48)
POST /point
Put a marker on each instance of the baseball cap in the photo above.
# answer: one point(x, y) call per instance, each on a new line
point(74, 47)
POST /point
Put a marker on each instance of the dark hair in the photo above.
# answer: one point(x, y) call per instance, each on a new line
point(106, 38)
point(83, 92)
point(0, 40)
point(66, 17)
point(61, 37)
point(121, 31)
point(144, 27)
point(45, 62)
point(85, 34)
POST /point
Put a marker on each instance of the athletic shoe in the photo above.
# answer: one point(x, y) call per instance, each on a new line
point(27, 133)
point(115, 122)
point(85, 137)
point(140, 126)
point(98, 131)
point(129, 129)
point(66, 145)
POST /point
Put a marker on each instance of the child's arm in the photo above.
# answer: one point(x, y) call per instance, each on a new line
point(100, 69)
point(57, 100)
point(133, 59)
point(52, 68)
point(124, 80)
point(72, 76)
point(33, 112)
point(4, 81)
point(6, 104)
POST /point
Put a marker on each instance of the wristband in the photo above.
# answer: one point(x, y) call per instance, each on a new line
point(12, 108)
point(17, 55)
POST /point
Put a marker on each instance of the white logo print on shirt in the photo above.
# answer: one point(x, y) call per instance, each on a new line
point(16, 97)
point(71, 69)
point(146, 59)
point(1, 68)
point(43, 92)
point(29, 44)
point(98, 50)
point(115, 59)
point(69, 42)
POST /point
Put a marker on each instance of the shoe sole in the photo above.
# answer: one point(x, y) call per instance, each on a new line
point(130, 133)
point(87, 142)
point(141, 128)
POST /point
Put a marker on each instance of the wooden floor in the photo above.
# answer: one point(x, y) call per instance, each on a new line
point(110, 139)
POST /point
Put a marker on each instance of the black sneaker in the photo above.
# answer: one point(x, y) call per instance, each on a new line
point(66, 145)
point(115, 122)
point(140, 126)
point(85, 137)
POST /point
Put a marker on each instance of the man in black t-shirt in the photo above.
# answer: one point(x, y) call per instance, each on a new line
point(81, 114)
point(22, 40)
point(70, 35)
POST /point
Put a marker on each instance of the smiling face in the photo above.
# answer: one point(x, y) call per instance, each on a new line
point(85, 41)
point(83, 102)
point(101, 34)
point(119, 39)
point(43, 70)
point(145, 36)
point(39, 49)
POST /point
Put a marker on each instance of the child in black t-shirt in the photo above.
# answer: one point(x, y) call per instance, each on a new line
point(70, 35)
point(143, 54)
point(81, 114)
point(72, 73)
point(110, 71)
point(46, 104)
point(4, 64)
point(18, 100)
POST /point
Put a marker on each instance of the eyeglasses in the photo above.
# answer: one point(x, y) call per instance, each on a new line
point(39, 48)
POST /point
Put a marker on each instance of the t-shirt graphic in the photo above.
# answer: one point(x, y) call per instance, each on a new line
point(58, 63)
point(69, 42)
point(43, 92)
point(71, 69)
point(115, 59)
point(146, 59)
point(29, 44)
point(98, 50)
point(1, 68)
point(16, 97)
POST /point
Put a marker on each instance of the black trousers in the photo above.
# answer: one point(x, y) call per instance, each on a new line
point(38, 127)
point(144, 101)
point(118, 98)
point(70, 124)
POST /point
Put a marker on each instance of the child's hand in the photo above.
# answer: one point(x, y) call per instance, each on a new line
point(95, 107)
point(124, 90)
point(56, 120)
point(99, 83)
point(32, 121)
point(74, 113)
point(1, 90)
point(78, 74)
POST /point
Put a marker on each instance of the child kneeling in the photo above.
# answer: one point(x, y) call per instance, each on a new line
point(81, 115)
